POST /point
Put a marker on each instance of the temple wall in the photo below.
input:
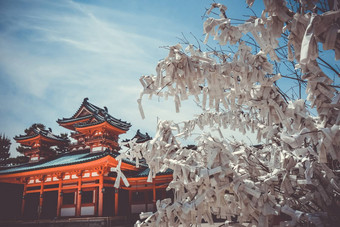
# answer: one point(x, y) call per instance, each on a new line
point(10, 201)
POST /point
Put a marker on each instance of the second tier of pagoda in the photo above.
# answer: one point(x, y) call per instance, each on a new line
point(94, 128)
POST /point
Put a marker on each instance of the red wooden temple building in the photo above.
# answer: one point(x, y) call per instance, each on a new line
point(80, 182)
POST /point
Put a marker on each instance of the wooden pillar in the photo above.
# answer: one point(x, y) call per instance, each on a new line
point(154, 196)
point(101, 195)
point(23, 200)
point(41, 197)
point(60, 197)
point(116, 201)
point(78, 206)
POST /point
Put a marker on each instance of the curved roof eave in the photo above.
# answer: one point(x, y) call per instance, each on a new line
point(99, 113)
point(70, 120)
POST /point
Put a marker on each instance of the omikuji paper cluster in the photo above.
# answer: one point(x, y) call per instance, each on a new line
point(292, 176)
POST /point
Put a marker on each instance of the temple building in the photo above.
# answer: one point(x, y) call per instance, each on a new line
point(40, 142)
point(81, 182)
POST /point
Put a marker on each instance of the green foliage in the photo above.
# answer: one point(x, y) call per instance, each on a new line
point(22, 149)
point(29, 130)
point(16, 161)
point(60, 149)
point(5, 144)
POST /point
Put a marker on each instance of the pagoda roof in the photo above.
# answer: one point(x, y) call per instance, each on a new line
point(141, 138)
point(35, 132)
point(87, 112)
point(67, 159)
point(67, 120)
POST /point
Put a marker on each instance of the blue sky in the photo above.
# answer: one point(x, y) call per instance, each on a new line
point(55, 53)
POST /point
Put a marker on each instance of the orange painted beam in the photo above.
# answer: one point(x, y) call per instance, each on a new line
point(33, 191)
point(143, 188)
point(134, 182)
point(65, 188)
point(142, 179)
point(10, 180)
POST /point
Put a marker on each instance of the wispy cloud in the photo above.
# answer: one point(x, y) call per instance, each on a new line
point(64, 46)
point(55, 53)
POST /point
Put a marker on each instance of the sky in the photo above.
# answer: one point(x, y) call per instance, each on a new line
point(53, 54)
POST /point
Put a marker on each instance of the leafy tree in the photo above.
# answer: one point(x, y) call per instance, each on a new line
point(5, 144)
point(22, 149)
point(62, 148)
point(20, 159)
point(29, 130)
point(16, 161)
point(294, 173)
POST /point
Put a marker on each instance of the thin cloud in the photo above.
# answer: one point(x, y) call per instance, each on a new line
point(52, 55)
point(55, 53)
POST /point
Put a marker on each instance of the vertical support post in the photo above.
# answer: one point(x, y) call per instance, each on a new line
point(78, 205)
point(116, 201)
point(60, 198)
point(146, 200)
point(154, 196)
point(41, 197)
point(130, 201)
point(23, 199)
point(101, 195)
